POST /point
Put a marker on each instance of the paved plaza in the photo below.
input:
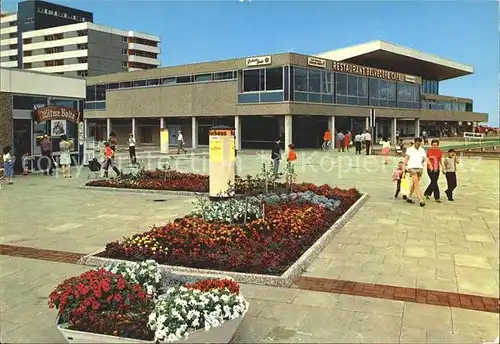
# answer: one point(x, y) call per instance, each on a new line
point(450, 247)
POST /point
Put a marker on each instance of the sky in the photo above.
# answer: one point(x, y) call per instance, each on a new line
point(196, 31)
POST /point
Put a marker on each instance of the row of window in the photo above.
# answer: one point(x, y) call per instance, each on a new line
point(20, 102)
point(61, 14)
point(430, 86)
point(98, 92)
point(138, 40)
point(449, 106)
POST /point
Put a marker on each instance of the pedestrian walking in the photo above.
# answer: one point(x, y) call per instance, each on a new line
point(367, 138)
point(276, 156)
point(65, 147)
point(46, 160)
point(180, 142)
point(327, 139)
point(386, 148)
point(358, 141)
point(131, 149)
point(450, 170)
point(340, 141)
point(398, 176)
point(8, 164)
point(347, 140)
point(414, 164)
point(109, 161)
point(435, 156)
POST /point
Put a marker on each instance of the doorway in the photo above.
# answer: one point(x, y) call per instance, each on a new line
point(22, 141)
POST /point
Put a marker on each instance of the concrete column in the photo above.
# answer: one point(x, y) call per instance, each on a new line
point(194, 132)
point(394, 129)
point(367, 124)
point(417, 127)
point(331, 124)
point(288, 130)
point(237, 132)
point(85, 129)
point(162, 122)
point(133, 127)
point(108, 127)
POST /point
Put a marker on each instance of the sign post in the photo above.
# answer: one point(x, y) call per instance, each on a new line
point(373, 131)
point(221, 161)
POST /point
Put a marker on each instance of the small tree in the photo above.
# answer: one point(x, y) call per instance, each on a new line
point(201, 202)
point(290, 175)
point(167, 167)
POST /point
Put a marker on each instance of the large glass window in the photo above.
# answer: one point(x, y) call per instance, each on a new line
point(383, 93)
point(315, 81)
point(300, 78)
point(351, 89)
point(64, 103)
point(28, 102)
point(430, 86)
point(253, 80)
point(100, 93)
point(408, 96)
point(274, 78)
point(90, 91)
point(326, 82)
point(341, 84)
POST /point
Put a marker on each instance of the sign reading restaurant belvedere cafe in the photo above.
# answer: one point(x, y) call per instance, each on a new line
point(365, 71)
point(56, 112)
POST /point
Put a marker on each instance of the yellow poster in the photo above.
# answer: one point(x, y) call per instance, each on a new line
point(233, 149)
point(215, 154)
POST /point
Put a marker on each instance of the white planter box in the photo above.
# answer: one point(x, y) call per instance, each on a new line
point(221, 334)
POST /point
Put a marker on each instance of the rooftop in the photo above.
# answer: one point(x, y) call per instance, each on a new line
point(396, 58)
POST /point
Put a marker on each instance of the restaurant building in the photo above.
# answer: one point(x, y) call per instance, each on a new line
point(33, 104)
point(294, 96)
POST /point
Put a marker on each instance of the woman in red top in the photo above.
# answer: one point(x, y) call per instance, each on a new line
point(347, 140)
point(435, 156)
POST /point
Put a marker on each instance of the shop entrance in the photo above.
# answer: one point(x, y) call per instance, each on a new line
point(307, 131)
point(259, 132)
point(204, 125)
point(22, 141)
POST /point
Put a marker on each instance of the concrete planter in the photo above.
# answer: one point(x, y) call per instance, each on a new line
point(221, 334)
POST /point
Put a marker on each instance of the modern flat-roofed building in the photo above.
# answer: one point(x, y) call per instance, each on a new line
point(47, 37)
point(392, 88)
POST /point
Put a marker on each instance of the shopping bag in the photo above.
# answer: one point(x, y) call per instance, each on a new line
point(405, 186)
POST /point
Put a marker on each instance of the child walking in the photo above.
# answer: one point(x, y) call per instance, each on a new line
point(108, 152)
point(8, 164)
point(386, 148)
point(25, 162)
point(450, 171)
point(398, 176)
point(292, 158)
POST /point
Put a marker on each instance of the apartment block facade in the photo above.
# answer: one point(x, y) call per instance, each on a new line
point(50, 38)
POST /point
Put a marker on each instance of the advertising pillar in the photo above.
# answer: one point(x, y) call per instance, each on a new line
point(164, 141)
point(221, 161)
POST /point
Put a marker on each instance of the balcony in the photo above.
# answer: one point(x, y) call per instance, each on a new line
point(12, 52)
point(58, 43)
point(56, 56)
point(8, 41)
point(7, 30)
point(9, 64)
point(145, 60)
point(64, 68)
point(142, 47)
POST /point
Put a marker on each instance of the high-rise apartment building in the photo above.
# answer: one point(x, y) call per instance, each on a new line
point(51, 38)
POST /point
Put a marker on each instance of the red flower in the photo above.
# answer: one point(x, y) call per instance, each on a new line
point(117, 297)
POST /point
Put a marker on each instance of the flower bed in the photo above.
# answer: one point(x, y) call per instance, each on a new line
point(268, 244)
point(135, 300)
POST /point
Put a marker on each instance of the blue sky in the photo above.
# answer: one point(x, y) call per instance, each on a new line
point(195, 31)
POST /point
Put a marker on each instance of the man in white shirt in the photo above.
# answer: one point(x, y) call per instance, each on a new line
point(131, 149)
point(368, 141)
point(358, 140)
point(180, 142)
point(414, 163)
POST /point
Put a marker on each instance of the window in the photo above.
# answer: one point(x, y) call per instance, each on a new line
point(12, 58)
point(341, 84)
point(203, 77)
point(13, 46)
point(326, 82)
point(113, 86)
point(27, 66)
point(168, 81)
point(83, 46)
point(183, 79)
point(315, 80)
point(274, 78)
point(13, 23)
point(125, 84)
point(13, 35)
point(82, 73)
point(382, 93)
point(124, 64)
point(408, 96)
point(152, 82)
point(82, 33)
point(28, 102)
point(27, 53)
point(253, 80)
point(224, 76)
point(124, 52)
point(90, 91)
point(83, 60)
point(27, 41)
point(139, 83)
point(100, 93)
point(352, 85)
point(300, 79)
point(124, 39)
